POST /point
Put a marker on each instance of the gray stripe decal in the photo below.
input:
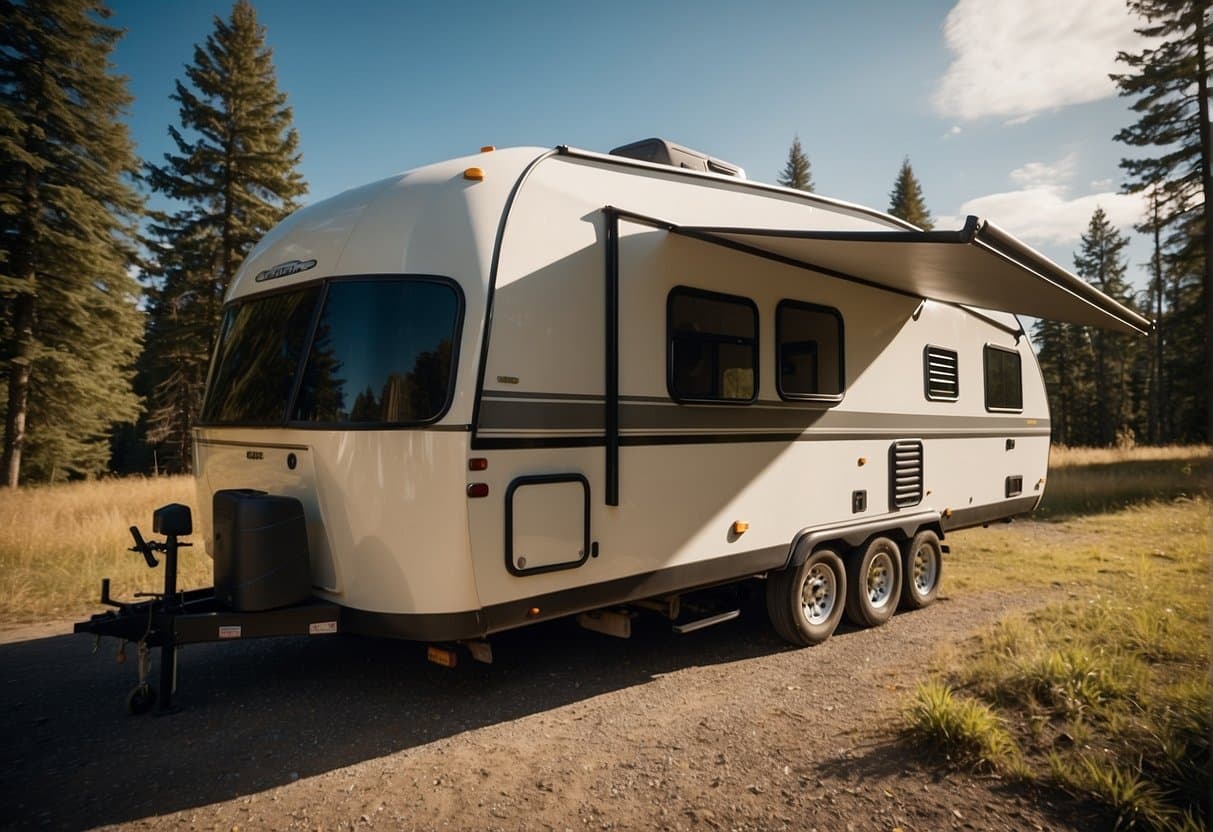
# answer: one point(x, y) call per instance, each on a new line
point(538, 416)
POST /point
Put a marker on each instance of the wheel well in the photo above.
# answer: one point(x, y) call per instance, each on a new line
point(844, 541)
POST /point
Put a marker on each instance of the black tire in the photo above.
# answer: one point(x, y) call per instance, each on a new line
point(141, 699)
point(873, 583)
point(805, 603)
point(922, 570)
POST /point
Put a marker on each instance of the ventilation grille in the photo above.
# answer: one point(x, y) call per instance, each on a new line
point(943, 380)
point(905, 473)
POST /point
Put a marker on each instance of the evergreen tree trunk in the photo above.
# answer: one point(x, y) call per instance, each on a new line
point(1206, 169)
point(18, 386)
point(1064, 396)
point(1155, 401)
point(21, 363)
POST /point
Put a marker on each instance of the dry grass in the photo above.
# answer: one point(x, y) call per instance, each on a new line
point(1094, 480)
point(58, 542)
point(1062, 456)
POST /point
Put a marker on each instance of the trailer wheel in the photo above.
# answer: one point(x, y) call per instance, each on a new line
point(922, 569)
point(141, 699)
point(873, 583)
point(806, 603)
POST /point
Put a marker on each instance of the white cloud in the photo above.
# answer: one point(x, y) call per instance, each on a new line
point(1043, 175)
point(1045, 216)
point(1042, 210)
point(1018, 58)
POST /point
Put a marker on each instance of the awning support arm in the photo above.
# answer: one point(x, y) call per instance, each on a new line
point(611, 382)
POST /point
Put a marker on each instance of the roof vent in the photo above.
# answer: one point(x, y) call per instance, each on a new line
point(663, 152)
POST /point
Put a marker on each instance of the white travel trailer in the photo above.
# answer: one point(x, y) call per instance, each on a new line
point(532, 383)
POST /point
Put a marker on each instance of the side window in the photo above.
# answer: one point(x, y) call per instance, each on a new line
point(808, 351)
point(712, 347)
point(941, 374)
point(1004, 379)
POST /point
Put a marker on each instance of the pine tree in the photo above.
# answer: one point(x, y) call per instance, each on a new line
point(70, 327)
point(1100, 261)
point(1066, 360)
point(235, 176)
point(1170, 82)
point(797, 173)
point(906, 200)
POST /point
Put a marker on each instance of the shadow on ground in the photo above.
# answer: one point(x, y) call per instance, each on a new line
point(259, 714)
point(906, 757)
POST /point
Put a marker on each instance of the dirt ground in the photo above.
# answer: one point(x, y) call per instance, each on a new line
point(726, 728)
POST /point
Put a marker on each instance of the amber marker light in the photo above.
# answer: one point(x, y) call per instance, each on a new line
point(863, 460)
point(475, 174)
point(740, 527)
point(532, 612)
point(441, 655)
point(478, 489)
point(478, 463)
point(488, 148)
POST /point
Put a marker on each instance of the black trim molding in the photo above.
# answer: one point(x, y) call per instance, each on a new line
point(963, 518)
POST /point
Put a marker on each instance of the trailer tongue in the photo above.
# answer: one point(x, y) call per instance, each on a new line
point(170, 619)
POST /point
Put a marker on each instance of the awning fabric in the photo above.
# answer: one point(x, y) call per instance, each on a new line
point(980, 265)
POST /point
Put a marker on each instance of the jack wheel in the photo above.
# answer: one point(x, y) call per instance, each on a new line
point(141, 699)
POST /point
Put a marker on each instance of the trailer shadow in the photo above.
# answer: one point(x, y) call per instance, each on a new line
point(256, 715)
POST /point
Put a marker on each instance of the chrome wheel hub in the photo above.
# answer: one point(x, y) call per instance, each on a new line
point(880, 580)
point(818, 594)
point(924, 567)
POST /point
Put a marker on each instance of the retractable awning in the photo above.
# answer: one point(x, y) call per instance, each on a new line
point(981, 265)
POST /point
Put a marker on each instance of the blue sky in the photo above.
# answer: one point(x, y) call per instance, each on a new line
point(1003, 106)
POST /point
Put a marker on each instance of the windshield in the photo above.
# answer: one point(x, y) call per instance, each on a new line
point(260, 344)
point(381, 354)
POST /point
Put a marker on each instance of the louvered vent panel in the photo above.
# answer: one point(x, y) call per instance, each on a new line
point(905, 473)
point(943, 379)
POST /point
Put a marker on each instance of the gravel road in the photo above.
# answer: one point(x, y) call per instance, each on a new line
point(726, 728)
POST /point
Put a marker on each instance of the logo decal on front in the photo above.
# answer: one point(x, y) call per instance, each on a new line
point(283, 269)
point(254, 455)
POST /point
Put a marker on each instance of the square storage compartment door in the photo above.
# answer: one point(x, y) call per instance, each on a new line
point(547, 523)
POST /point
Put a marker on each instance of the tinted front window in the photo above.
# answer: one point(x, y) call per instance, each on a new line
point(382, 353)
point(260, 345)
point(713, 347)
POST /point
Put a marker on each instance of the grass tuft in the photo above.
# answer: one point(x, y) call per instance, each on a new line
point(964, 729)
point(1132, 800)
